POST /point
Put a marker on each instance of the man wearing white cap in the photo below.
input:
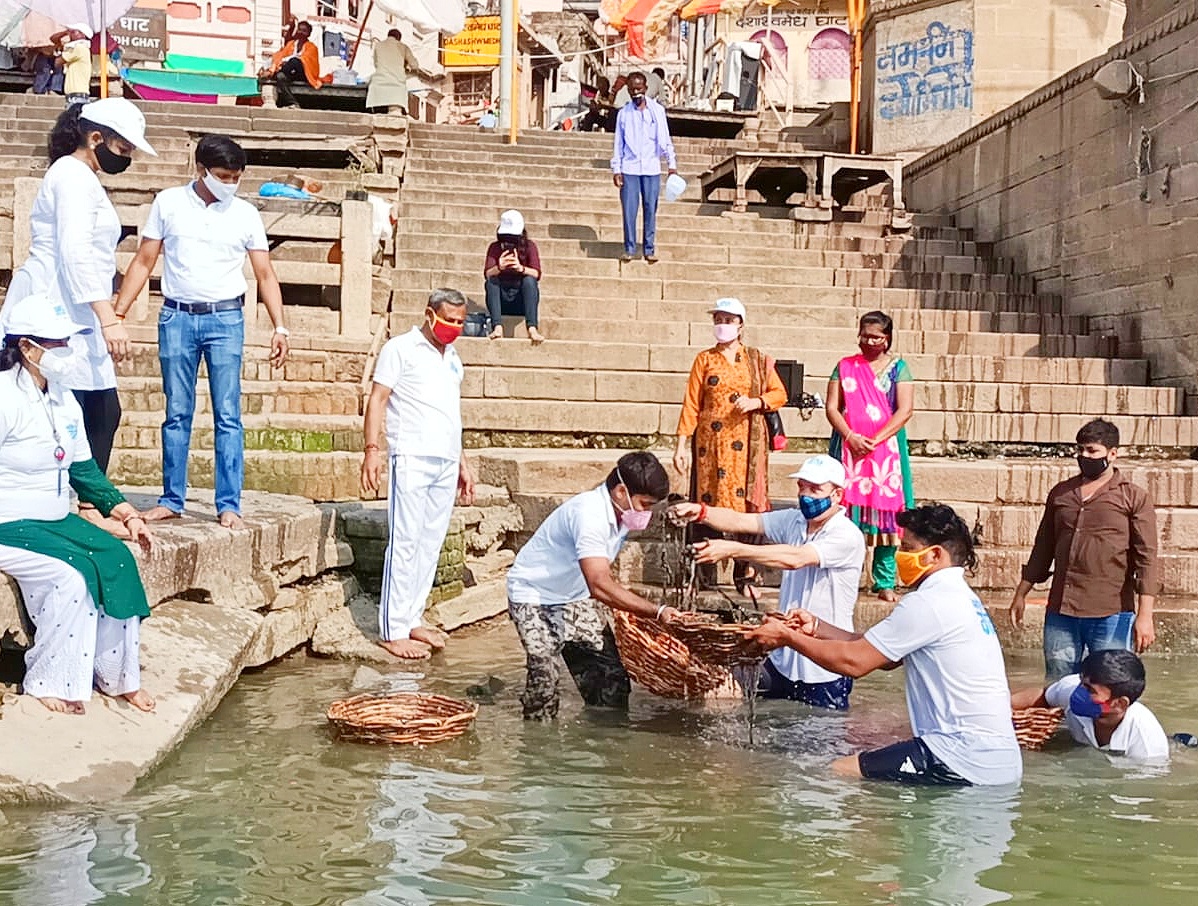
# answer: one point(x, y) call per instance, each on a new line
point(513, 271)
point(74, 230)
point(74, 48)
point(821, 552)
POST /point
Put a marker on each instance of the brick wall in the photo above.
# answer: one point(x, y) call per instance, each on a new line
point(1056, 183)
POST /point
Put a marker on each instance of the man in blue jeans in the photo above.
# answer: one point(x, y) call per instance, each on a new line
point(1097, 539)
point(205, 233)
point(642, 140)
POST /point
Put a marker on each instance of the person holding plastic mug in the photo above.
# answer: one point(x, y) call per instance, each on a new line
point(642, 140)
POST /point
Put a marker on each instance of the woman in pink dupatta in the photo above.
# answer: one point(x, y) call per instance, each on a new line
point(871, 398)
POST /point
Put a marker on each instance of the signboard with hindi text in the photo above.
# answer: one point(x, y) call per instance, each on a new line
point(142, 35)
point(475, 45)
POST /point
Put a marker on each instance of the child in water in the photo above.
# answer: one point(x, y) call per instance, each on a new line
point(1102, 707)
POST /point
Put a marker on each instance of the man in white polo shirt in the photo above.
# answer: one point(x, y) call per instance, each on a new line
point(417, 392)
point(204, 232)
point(958, 700)
point(561, 585)
point(821, 552)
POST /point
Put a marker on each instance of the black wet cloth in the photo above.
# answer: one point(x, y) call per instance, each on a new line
point(833, 695)
point(910, 762)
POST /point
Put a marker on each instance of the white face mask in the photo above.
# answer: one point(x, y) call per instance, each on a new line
point(221, 191)
point(58, 363)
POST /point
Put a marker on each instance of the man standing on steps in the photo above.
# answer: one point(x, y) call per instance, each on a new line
point(1097, 539)
point(642, 140)
point(204, 232)
point(417, 392)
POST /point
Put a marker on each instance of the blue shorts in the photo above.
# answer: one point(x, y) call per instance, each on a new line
point(910, 762)
point(833, 695)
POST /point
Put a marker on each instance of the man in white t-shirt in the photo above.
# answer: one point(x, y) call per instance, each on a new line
point(821, 552)
point(958, 700)
point(417, 393)
point(205, 233)
point(1102, 706)
point(561, 584)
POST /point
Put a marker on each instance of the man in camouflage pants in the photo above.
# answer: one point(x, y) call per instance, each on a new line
point(561, 585)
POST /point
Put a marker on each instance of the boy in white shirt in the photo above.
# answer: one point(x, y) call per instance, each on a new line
point(821, 552)
point(958, 700)
point(1102, 706)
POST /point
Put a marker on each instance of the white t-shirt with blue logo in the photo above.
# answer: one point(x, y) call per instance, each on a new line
point(1139, 735)
point(958, 698)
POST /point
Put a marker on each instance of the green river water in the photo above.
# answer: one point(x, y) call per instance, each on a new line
point(665, 805)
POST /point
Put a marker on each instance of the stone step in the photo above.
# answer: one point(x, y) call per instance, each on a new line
point(827, 307)
point(641, 357)
point(462, 157)
point(1014, 526)
point(275, 397)
point(139, 431)
point(313, 365)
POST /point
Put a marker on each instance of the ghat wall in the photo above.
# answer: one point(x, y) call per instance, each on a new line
point(1095, 199)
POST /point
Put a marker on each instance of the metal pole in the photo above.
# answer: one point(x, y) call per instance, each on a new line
point(353, 55)
point(513, 134)
point(507, 59)
point(103, 49)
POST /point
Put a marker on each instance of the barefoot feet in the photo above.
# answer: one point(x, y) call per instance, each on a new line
point(536, 336)
point(160, 514)
point(407, 649)
point(140, 699)
point(231, 520)
point(114, 527)
point(434, 638)
point(59, 706)
point(889, 595)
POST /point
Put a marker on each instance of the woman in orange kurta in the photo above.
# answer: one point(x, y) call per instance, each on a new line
point(721, 425)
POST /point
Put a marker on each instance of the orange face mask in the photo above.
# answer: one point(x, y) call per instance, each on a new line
point(910, 566)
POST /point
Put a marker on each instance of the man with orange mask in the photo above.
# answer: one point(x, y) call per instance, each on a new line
point(958, 700)
point(417, 393)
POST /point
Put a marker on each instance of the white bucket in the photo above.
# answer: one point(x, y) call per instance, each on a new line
point(675, 186)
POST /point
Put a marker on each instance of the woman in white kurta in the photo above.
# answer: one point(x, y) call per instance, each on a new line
point(74, 230)
point(79, 584)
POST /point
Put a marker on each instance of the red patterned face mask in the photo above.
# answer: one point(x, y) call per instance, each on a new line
point(444, 331)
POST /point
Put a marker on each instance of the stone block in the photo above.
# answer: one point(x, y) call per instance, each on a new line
point(282, 631)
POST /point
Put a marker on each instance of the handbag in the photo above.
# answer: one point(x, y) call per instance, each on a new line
point(773, 423)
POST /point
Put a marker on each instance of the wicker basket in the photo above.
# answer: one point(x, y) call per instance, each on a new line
point(414, 718)
point(1035, 726)
point(661, 663)
point(714, 642)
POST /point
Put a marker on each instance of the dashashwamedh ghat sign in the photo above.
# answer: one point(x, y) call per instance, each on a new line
point(142, 34)
point(475, 45)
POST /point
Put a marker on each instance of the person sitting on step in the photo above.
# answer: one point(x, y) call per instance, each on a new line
point(297, 61)
point(513, 272)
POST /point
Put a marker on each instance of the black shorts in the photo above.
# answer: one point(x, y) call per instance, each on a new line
point(911, 762)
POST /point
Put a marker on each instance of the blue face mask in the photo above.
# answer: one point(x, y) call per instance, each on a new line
point(814, 507)
point(1082, 704)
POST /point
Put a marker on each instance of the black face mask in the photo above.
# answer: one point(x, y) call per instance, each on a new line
point(1092, 468)
point(111, 162)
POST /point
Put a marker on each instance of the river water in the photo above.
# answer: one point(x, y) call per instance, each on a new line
point(665, 805)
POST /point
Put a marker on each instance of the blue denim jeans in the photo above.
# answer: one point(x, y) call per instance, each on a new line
point(640, 192)
point(1067, 640)
point(183, 339)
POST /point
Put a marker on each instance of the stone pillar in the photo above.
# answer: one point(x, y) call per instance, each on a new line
point(357, 252)
point(24, 192)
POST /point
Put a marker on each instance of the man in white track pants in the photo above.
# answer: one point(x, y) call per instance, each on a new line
point(417, 392)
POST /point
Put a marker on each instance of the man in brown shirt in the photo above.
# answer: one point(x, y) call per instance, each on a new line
point(1099, 530)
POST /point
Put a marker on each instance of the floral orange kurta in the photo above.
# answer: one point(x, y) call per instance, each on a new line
point(722, 443)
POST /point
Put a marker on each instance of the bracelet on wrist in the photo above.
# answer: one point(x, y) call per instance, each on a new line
point(702, 517)
point(116, 323)
point(119, 317)
point(660, 611)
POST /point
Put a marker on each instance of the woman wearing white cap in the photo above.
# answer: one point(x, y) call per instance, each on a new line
point(721, 424)
point(80, 585)
point(513, 271)
point(72, 256)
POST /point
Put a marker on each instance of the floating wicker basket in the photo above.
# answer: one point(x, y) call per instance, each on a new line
point(1035, 726)
point(660, 662)
point(414, 718)
point(714, 642)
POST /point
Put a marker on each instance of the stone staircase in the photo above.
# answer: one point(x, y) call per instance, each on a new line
point(1004, 375)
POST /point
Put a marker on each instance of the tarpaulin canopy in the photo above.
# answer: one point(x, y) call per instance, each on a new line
point(426, 16)
point(645, 24)
point(29, 23)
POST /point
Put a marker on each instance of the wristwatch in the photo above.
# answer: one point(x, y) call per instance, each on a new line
point(282, 331)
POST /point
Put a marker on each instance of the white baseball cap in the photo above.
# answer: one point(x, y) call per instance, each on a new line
point(37, 315)
point(728, 306)
point(821, 469)
point(122, 117)
point(511, 223)
point(84, 29)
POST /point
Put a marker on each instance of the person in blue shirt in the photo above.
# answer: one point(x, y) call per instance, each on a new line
point(642, 140)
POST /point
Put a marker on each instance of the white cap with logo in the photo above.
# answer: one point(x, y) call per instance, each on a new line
point(821, 469)
point(37, 315)
point(511, 223)
point(728, 306)
point(122, 117)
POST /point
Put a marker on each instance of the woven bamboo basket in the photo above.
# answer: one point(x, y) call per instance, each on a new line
point(714, 642)
point(660, 662)
point(1035, 726)
point(413, 718)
